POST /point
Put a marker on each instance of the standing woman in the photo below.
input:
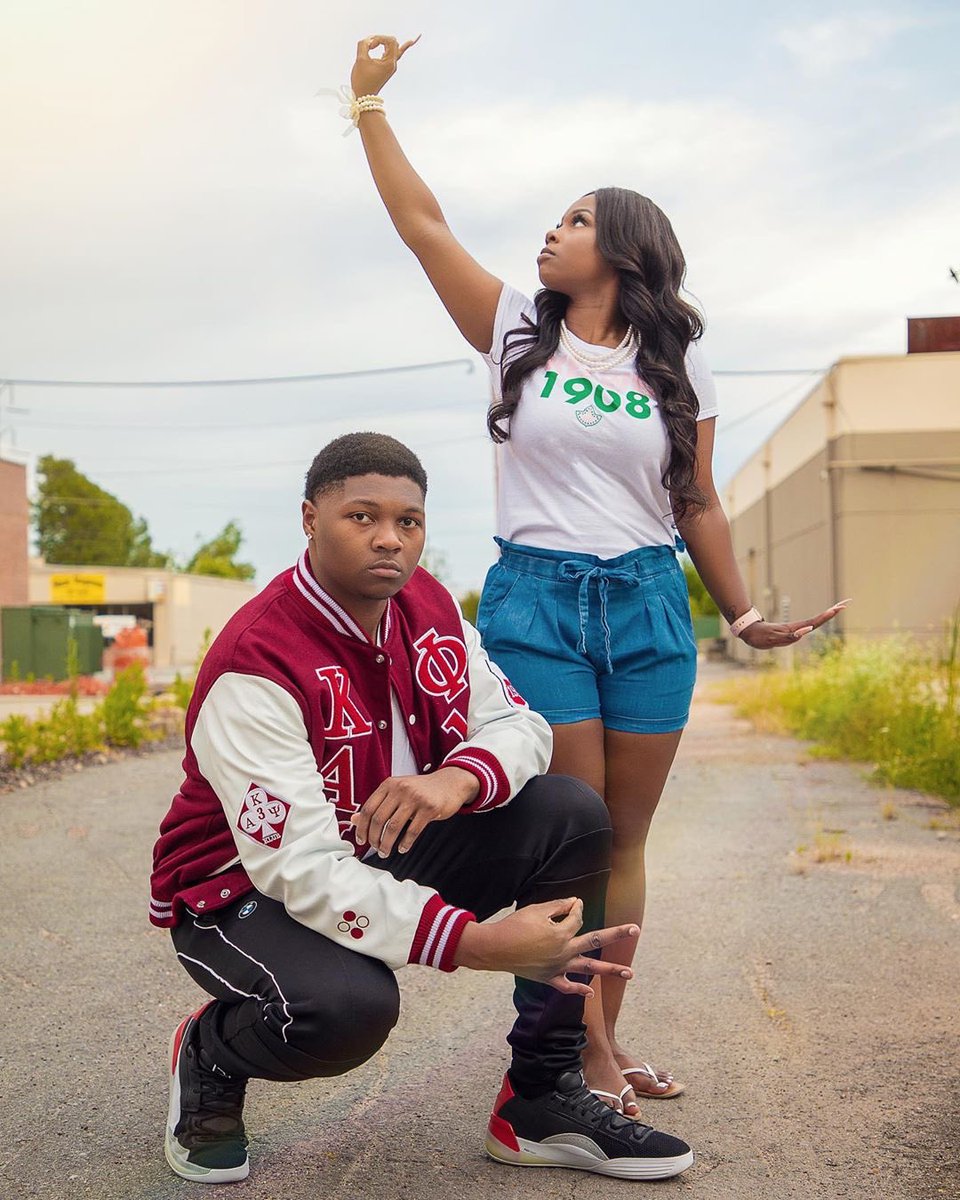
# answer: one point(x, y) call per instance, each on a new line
point(604, 422)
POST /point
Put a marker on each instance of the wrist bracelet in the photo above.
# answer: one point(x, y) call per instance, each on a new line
point(744, 621)
point(353, 107)
point(364, 104)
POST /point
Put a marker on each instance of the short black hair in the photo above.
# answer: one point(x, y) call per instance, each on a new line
point(362, 454)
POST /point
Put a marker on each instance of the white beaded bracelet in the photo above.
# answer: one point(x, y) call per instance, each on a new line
point(744, 621)
point(353, 107)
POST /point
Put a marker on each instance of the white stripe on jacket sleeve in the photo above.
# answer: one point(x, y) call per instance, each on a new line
point(507, 744)
point(250, 730)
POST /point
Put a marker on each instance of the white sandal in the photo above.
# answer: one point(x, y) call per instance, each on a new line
point(669, 1087)
point(617, 1100)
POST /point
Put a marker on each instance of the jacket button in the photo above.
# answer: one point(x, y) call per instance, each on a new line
point(379, 659)
point(426, 767)
point(201, 904)
point(381, 724)
point(412, 719)
point(224, 893)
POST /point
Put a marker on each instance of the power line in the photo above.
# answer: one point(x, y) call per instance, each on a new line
point(228, 424)
point(231, 468)
point(777, 371)
point(136, 426)
point(210, 468)
point(321, 376)
point(185, 383)
point(726, 426)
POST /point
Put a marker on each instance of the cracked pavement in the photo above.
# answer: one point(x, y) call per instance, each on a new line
point(798, 971)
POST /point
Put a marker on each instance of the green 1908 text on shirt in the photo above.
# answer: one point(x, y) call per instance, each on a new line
point(636, 405)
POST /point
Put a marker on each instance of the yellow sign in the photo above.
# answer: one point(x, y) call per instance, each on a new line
point(77, 588)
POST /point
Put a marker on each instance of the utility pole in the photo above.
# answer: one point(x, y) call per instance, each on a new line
point(8, 407)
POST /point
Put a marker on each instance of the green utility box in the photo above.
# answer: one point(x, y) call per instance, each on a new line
point(36, 641)
point(706, 627)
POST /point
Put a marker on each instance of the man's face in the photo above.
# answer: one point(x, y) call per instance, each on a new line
point(366, 536)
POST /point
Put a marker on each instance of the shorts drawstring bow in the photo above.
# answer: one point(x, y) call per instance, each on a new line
point(572, 570)
point(587, 638)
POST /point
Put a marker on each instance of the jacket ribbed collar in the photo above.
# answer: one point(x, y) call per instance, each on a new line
point(325, 605)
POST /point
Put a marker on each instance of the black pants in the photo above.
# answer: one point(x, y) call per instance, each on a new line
point(292, 1004)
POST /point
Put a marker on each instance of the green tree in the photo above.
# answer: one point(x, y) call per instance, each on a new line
point(217, 557)
point(469, 603)
point(701, 602)
point(436, 562)
point(79, 523)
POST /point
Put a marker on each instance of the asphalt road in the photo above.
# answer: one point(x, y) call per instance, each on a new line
point(810, 1006)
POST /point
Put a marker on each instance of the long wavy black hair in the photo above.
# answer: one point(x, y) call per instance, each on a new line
point(635, 237)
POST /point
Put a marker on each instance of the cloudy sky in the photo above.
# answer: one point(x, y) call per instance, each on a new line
point(177, 204)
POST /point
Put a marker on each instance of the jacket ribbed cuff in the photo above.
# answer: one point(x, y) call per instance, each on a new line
point(486, 769)
point(438, 934)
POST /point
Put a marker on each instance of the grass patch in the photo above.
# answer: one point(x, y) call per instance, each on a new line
point(889, 703)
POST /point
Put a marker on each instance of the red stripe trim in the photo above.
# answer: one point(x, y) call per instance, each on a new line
point(503, 1131)
point(333, 610)
point(447, 948)
point(323, 601)
point(314, 603)
point(438, 934)
point(494, 785)
point(177, 1039)
point(181, 1029)
point(506, 1093)
point(431, 911)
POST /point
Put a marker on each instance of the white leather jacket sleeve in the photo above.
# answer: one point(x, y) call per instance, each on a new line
point(506, 742)
point(251, 744)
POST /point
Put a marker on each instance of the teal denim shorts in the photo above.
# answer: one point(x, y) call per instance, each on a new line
point(582, 637)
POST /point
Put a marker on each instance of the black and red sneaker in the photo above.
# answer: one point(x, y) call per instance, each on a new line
point(205, 1140)
point(571, 1127)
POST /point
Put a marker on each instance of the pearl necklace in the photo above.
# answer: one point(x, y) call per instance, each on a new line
point(613, 357)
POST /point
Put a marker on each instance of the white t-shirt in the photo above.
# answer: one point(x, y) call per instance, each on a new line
point(402, 759)
point(581, 470)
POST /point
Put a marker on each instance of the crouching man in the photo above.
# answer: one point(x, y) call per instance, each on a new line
point(351, 752)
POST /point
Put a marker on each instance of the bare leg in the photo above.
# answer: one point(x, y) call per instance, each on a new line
point(629, 770)
point(636, 770)
point(578, 750)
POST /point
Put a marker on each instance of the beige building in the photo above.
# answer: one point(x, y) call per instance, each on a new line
point(857, 494)
point(176, 608)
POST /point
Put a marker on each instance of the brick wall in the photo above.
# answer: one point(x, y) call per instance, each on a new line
point(14, 520)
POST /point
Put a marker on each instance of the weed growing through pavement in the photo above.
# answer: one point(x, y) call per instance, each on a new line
point(829, 846)
point(825, 846)
point(946, 821)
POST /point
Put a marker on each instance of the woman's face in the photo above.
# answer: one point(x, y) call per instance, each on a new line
point(570, 261)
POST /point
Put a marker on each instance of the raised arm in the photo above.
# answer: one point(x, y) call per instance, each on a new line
point(469, 293)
